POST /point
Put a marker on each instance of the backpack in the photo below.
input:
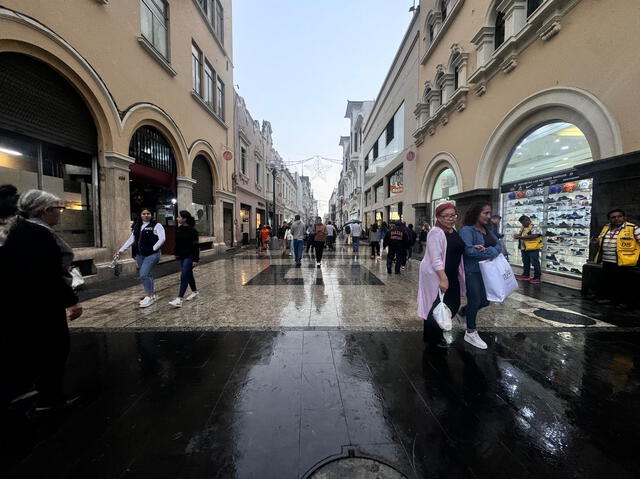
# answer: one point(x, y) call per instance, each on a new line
point(347, 229)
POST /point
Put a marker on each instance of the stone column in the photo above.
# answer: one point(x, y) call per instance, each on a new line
point(185, 193)
point(422, 213)
point(115, 204)
point(484, 42)
point(515, 16)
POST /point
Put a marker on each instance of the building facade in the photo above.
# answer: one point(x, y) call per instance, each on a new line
point(132, 112)
point(530, 105)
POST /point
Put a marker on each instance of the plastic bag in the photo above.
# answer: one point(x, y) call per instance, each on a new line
point(442, 314)
point(76, 278)
point(499, 280)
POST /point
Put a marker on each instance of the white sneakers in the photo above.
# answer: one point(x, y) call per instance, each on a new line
point(474, 339)
point(193, 295)
point(176, 303)
point(147, 301)
point(319, 264)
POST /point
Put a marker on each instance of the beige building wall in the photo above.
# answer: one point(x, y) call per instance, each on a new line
point(587, 55)
point(98, 48)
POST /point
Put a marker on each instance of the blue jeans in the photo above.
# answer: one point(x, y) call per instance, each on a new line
point(356, 243)
point(531, 258)
point(186, 276)
point(476, 298)
point(298, 247)
point(146, 265)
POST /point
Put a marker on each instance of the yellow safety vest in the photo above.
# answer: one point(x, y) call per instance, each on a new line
point(530, 245)
point(627, 247)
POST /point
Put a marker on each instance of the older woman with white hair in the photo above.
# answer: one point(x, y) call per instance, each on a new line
point(36, 264)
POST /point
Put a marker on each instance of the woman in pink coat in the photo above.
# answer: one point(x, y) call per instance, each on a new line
point(441, 269)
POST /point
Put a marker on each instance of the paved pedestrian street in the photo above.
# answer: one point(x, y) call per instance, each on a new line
point(283, 372)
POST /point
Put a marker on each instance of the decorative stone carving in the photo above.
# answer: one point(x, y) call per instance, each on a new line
point(444, 119)
point(550, 29)
point(480, 88)
point(461, 105)
point(509, 64)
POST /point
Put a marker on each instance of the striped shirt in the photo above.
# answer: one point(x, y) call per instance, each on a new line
point(610, 242)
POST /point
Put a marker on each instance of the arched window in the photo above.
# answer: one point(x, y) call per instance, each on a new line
point(532, 6)
point(499, 30)
point(432, 29)
point(150, 148)
point(456, 78)
point(547, 149)
point(443, 9)
point(445, 185)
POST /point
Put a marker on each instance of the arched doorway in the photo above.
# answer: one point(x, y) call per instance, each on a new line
point(445, 185)
point(152, 180)
point(540, 180)
point(48, 141)
point(203, 196)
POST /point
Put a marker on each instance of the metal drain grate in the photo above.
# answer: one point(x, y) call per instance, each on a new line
point(355, 468)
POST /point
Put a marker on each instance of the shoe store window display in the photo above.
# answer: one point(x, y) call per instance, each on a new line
point(529, 243)
point(618, 250)
point(147, 237)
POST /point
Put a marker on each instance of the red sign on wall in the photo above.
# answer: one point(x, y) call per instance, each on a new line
point(227, 155)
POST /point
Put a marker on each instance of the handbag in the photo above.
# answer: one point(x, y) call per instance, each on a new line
point(442, 313)
point(499, 280)
point(76, 278)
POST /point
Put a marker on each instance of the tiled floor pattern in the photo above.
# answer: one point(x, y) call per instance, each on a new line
point(266, 291)
point(273, 404)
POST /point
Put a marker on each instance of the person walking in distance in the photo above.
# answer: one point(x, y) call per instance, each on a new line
point(480, 244)
point(529, 244)
point(188, 253)
point(374, 240)
point(618, 250)
point(494, 226)
point(310, 243)
point(356, 231)
point(331, 236)
point(397, 241)
point(36, 342)
point(319, 232)
point(423, 235)
point(382, 232)
point(412, 241)
point(146, 238)
point(298, 230)
point(265, 234)
point(441, 270)
point(288, 237)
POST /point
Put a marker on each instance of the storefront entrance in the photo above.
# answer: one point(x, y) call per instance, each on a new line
point(227, 219)
point(48, 141)
point(152, 181)
point(558, 199)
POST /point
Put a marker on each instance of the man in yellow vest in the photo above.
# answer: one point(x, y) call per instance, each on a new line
point(530, 244)
point(618, 250)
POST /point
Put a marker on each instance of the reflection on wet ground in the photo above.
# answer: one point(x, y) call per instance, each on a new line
point(278, 403)
point(353, 292)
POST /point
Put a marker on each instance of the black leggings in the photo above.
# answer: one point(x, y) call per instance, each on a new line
point(319, 247)
point(375, 248)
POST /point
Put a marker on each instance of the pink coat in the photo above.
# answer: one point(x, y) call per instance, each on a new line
point(429, 282)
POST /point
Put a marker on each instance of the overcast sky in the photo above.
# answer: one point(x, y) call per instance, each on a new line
point(297, 62)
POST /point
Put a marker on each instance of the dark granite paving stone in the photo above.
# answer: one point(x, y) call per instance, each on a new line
point(320, 386)
point(392, 454)
point(323, 433)
point(245, 445)
point(317, 347)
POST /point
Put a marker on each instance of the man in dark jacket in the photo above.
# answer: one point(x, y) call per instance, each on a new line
point(397, 240)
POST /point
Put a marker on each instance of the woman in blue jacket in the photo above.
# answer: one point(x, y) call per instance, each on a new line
point(480, 244)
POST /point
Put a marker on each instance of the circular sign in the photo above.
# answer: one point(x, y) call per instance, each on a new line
point(411, 155)
point(227, 155)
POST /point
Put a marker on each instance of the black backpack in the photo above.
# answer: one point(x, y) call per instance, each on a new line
point(347, 229)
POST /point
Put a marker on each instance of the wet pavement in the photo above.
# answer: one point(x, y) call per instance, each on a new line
point(297, 373)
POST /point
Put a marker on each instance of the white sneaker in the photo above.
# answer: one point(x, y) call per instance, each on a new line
point(176, 303)
point(147, 301)
point(475, 340)
point(193, 295)
point(319, 264)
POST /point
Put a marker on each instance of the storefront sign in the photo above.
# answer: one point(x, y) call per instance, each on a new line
point(227, 155)
point(397, 189)
point(562, 177)
point(411, 156)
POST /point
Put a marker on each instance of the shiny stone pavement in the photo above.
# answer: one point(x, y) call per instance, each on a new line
point(278, 372)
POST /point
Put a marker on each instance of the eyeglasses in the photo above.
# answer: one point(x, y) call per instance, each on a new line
point(449, 217)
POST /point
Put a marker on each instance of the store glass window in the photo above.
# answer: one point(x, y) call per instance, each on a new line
point(379, 192)
point(396, 183)
point(19, 157)
point(547, 149)
point(446, 185)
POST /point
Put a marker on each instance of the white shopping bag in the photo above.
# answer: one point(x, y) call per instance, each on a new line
point(442, 314)
point(76, 278)
point(498, 277)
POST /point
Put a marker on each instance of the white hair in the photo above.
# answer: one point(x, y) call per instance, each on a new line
point(33, 203)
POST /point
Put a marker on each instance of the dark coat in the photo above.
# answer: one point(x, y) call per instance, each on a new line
point(187, 243)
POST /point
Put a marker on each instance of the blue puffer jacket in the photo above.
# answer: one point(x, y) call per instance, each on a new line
point(471, 236)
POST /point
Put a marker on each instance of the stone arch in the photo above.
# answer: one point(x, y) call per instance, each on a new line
point(491, 13)
point(51, 49)
point(148, 114)
point(568, 104)
point(203, 148)
point(440, 162)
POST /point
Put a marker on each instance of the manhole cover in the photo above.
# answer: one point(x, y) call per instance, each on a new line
point(564, 317)
point(356, 468)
